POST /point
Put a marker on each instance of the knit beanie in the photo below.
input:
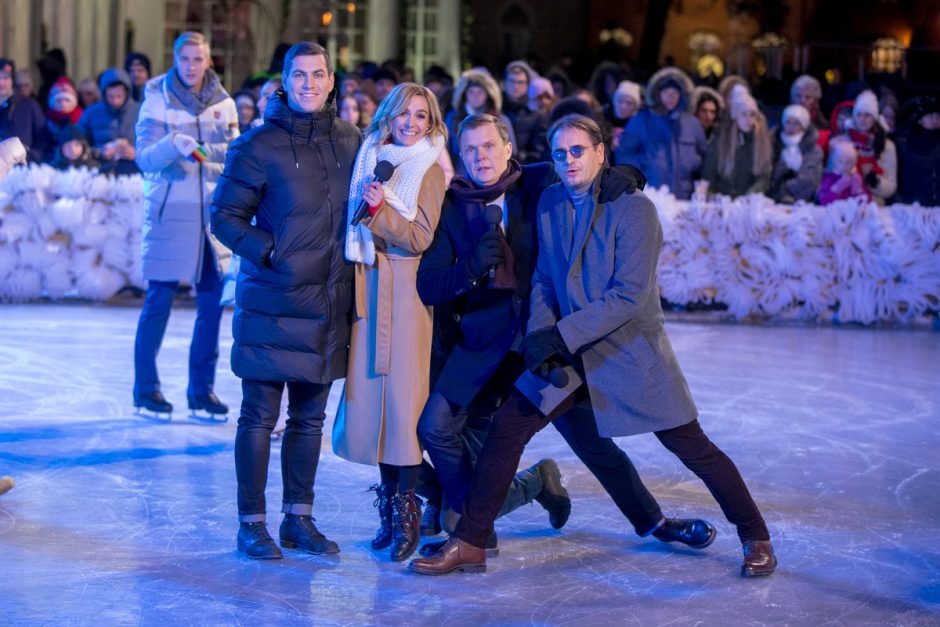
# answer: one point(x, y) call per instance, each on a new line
point(866, 102)
point(797, 112)
point(629, 89)
point(741, 102)
point(63, 89)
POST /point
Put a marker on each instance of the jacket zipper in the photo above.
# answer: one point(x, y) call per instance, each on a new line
point(166, 197)
point(202, 200)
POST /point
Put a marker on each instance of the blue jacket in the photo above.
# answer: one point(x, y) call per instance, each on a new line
point(101, 123)
point(23, 118)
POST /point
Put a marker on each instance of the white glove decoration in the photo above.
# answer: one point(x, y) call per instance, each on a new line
point(12, 152)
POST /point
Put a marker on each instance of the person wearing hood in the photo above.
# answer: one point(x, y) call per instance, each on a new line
point(73, 151)
point(740, 159)
point(528, 124)
point(20, 117)
point(186, 123)
point(108, 125)
point(919, 154)
point(281, 207)
point(623, 106)
point(877, 155)
point(63, 111)
point(708, 105)
point(798, 159)
point(476, 92)
point(664, 140)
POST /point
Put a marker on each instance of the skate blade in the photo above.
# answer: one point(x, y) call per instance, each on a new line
point(194, 414)
point(152, 415)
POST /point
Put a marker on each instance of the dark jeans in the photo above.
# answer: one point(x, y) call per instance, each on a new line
point(300, 445)
point(518, 420)
point(453, 438)
point(204, 349)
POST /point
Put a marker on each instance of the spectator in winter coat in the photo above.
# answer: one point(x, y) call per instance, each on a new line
point(108, 125)
point(63, 110)
point(20, 117)
point(137, 66)
point(623, 106)
point(528, 125)
point(88, 92)
point(807, 91)
point(281, 206)
point(23, 82)
point(841, 180)
point(739, 160)
point(708, 105)
point(798, 160)
point(73, 151)
point(664, 140)
point(919, 154)
point(604, 81)
point(877, 155)
point(247, 110)
point(186, 123)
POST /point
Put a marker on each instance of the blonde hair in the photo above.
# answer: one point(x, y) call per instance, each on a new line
point(396, 102)
point(190, 38)
point(728, 144)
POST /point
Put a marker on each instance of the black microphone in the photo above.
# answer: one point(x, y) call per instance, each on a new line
point(493, 214)
point(382, 173)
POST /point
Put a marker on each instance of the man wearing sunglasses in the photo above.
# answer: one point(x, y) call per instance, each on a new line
point(595, 308)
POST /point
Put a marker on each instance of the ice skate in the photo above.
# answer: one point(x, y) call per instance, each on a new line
point(153, 406)
point(207, 407)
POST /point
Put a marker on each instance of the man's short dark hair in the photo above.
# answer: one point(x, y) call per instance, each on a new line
point(305, 49)
point(477, 120)
point(577, 122)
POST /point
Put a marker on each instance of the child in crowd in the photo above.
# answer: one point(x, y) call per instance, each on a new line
point(73, 151)
point(841, 180)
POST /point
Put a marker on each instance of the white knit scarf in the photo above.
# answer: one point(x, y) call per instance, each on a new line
point(401, 191)
point(791, 153)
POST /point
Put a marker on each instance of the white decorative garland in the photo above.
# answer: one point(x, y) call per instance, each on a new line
point(76, 234)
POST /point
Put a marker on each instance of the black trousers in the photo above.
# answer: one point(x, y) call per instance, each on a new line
point(518, 420)
point(300, 446)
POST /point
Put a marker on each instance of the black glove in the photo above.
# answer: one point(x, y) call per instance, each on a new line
point(871, 179)
point(488, 253)
point(539, 346)
point(619, 180)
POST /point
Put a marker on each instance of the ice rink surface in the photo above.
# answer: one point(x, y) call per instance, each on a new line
point(117, 520)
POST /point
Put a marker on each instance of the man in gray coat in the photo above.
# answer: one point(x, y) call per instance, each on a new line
point(595, 307)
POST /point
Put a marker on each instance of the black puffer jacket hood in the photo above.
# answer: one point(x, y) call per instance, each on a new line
point(292, 317)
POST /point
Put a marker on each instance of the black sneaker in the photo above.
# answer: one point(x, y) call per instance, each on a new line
point(299, 532)
point(255, 541)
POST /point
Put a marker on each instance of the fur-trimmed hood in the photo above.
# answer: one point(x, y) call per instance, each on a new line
point(484, 80)
point(525, 67)
point(656, 81)
point(700, 92)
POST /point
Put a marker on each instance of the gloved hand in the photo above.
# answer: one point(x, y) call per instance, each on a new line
point(12, 152)
point(872, 180)
point(488, 253)
point(185, 144)
point(619, 180)
point(539, 346)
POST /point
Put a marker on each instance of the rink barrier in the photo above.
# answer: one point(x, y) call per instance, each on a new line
point(77, 234)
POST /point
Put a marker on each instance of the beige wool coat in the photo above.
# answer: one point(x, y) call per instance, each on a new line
point(387, 379)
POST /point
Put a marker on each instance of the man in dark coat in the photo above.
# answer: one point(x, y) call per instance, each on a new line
point(482, 360)
point(20, 117)
point(294, 291)
point(595, 307)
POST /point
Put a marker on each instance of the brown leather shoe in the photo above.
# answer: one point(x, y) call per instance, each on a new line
point(455, 555)
point(759, 558)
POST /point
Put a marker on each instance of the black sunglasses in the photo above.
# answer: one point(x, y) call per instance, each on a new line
point(560, 154)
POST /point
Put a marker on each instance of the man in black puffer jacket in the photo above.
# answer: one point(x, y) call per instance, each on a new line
point(294, 292)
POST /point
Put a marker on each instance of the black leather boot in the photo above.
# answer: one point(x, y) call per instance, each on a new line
point(255, 541)
point(383, 501)
point(208, 403)
point(759, 559)
point(693, 532)
point(406, 517)
point(431, 519)
point(553, 495)
point(155, 402)
point(299, 532)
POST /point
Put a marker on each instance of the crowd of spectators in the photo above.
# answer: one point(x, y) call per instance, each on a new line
point(675, 131)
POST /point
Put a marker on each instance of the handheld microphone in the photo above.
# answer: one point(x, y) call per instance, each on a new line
point(382, 173)
point(493, 214)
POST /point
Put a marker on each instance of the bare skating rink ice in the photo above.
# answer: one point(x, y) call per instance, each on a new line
point(119, 520)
